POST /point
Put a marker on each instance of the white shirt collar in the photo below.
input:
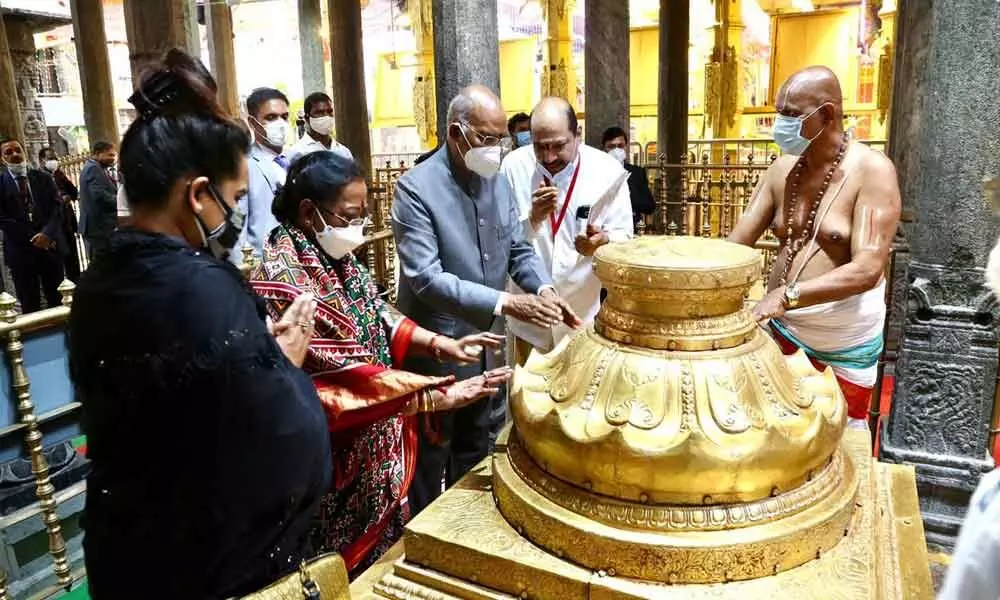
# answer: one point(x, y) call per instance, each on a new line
point(267, 152)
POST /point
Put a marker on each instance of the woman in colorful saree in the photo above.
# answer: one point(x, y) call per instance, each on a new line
point(372, 408)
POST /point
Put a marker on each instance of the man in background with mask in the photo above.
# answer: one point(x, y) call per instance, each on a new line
point(267, 114)
point(459, 239)
point(31, 221)
point(557, 181)
point(98, 194)
point(318, 108)
point(68, 194)
point(834, 206)
point(519, 128)
point(615, 142)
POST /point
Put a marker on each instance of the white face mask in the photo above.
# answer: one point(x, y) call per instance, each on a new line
point(51, 165)
point(338, 242)
point(275, 131)
point(618, 154)
point(483, 161)
point(321, 125)
point(18, 169)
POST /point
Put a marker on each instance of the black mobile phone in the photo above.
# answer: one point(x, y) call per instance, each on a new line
point(582, 216)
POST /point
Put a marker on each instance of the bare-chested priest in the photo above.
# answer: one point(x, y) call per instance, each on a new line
point(834, 205)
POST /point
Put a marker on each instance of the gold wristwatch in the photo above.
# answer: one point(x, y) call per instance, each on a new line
point(791, 295)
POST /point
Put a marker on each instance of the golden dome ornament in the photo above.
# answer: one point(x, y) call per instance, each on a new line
point(675, 421)
point(670, 450)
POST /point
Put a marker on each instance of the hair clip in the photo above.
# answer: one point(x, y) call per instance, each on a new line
point(154, 94)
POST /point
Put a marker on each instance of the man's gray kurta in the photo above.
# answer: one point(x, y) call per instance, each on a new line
point(457, 248)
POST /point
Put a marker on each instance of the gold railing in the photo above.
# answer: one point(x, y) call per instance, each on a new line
point(702, 199)
point(380, 253)
point(13, 328)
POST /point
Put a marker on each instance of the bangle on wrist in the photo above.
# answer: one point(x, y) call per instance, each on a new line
point(435, 350)
point(429, 405)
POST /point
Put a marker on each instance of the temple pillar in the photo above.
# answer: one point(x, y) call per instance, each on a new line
point(901, 70)
point(424, 106)
point(944, 141)
point(95, 70)
point(606, 62)
point(722, 73)
point(350, 101)
point(193, 35)
point(21, 44)
point(672, 104)
point(560, 77)
point(466, 51)
point(11, 124)
point(222, 54)
point(155, 26)
point(311, 47)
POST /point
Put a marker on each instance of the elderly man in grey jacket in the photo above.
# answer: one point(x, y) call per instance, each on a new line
point(459, 239)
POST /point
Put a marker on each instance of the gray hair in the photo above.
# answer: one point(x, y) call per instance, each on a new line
point(461, 106)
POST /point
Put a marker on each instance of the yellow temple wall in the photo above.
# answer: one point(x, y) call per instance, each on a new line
point(825, 37)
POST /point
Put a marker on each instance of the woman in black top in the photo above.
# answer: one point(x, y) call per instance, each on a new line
point(209, 446)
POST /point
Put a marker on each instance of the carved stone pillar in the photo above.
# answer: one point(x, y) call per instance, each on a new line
point(311, 47)
point(20, 37)
point(912, 43)
point(350, 103)
point(560, 77)
point(424, 105)
point(606, 61)
point(11, 124)
point(155, 26)
point(947, 368)
point(672, 106)
point(95, 70)
point(222, 54)
point(466, 50)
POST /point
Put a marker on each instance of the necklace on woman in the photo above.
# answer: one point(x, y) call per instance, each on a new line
point(795, 246)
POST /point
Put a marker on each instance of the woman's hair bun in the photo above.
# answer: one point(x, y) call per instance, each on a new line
point(177, 84)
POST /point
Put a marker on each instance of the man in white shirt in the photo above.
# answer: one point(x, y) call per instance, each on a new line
point(555, 180)
point(318, 109)
point(267, 114)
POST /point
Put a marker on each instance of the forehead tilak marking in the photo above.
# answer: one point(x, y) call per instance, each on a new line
point(792, 85)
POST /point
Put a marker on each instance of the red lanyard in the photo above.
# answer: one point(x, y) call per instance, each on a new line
point(569, 196)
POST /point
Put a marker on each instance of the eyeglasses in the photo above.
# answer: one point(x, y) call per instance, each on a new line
point(356, 222)
point(487, 140)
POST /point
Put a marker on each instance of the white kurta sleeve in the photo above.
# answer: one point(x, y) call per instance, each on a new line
point(518, 170)
point(619, 224)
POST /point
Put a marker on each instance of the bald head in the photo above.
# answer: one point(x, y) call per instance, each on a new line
point(554, 115)
point(808, 89)
point(555, 133)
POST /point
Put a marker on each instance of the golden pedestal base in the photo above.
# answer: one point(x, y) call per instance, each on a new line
point(461, 547)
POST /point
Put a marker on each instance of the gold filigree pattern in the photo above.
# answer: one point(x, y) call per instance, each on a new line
point(708, 333)
point(851, 570)
point(675, 518)
point(650, 472)
point(674, 555)
point(673, 434)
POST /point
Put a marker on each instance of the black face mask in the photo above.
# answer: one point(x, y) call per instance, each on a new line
point(221, 240)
